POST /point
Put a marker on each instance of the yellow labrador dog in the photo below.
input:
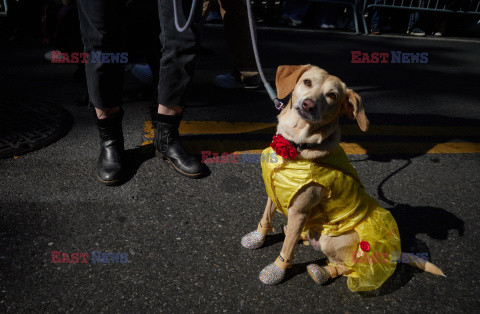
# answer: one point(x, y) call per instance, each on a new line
point(309, 179)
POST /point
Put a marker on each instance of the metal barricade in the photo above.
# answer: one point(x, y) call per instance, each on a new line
point(470, 7)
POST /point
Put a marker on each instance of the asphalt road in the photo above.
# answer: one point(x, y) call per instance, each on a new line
point(182, 236)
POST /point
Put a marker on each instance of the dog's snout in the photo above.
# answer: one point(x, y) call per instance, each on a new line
point(308, 105)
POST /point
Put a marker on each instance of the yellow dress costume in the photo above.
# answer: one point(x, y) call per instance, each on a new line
point(346, 207)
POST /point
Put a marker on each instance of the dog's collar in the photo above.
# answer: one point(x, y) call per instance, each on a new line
point(282, 103)
point(301, 147)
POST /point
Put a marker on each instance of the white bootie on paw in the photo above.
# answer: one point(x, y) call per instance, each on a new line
point(253, 240)
point(319, 274)
point(275, 273)
point(272, 274)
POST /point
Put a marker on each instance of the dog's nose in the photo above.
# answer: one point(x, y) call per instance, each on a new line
point(308, 105)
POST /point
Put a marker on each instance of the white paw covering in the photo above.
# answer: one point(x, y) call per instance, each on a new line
point(253, 240)
point(319, 274)
point(272, 274)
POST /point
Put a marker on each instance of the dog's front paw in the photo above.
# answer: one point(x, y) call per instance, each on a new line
point(275, 273)
point(319, 274)
point(272, 274)
point(253, 240)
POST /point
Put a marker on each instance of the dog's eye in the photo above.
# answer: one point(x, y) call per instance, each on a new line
point(332, 96)
point(307, 83)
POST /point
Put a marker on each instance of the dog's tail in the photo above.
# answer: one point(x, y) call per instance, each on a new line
point(415, 261)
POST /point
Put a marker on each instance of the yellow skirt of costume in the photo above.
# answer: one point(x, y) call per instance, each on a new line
point(346, 207)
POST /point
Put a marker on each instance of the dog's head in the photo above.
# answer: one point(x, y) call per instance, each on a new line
point(317, 97)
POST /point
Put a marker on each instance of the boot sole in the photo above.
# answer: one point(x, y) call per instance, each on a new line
point(108, 183)
point(190, 175)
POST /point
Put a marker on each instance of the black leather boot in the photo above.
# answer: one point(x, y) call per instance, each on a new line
point(110, 162)
point(167, 146)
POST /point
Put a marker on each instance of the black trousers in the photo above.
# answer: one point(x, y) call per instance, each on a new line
point(103, 26)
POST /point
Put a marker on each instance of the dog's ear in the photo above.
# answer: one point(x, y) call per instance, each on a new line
point(287, 77)
point(354, 110)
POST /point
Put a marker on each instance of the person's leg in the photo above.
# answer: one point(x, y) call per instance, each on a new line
point(101, 25)
point(270, 12)
point(175, 76)
point(178, 54)
point(333, 14)
point(320, 14)
point(258, 10)
point(235, 20)
point(414, 22)
point(143, 42)
point(295, 10)
point(376, 21)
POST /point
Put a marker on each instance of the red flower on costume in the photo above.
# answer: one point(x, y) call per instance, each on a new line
point(283, 147)
point(364, 246)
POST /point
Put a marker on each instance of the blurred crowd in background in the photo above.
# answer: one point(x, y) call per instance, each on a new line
point(56, 22)
point(55, 18)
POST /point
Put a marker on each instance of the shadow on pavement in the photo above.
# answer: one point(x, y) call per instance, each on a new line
point(273, 239)
point(135, 157)
point(300, 268)
point(413, 220)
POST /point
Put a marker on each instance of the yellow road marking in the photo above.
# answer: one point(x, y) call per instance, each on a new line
point(214, 127)
point(405, 130)
point(256, 147)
